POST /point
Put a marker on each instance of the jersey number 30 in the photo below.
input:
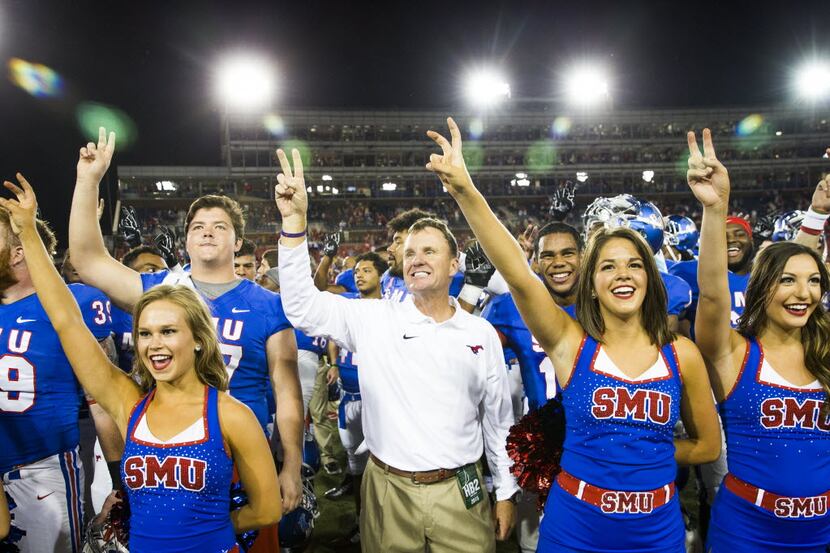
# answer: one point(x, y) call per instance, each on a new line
point(17, 384)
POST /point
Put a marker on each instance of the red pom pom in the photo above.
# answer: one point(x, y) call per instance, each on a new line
point(535, 458)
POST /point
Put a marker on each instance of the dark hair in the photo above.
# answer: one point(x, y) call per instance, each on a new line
point(229, 206)
point(271, 257)
point(403, 221)
point(380, 264)
point(129, 257)
point(653, 316)
point(763, 282)
point(43, 230)
point(248, 247)
point(556, 227)
point(440, 226)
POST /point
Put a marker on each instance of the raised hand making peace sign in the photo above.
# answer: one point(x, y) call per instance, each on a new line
point(290, 192)
point(449, 165)
point(707, 177)
point(93, 160)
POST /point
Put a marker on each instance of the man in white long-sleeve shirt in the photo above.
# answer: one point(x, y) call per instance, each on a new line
point(435, 392)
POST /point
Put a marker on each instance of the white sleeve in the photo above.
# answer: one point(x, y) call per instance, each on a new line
point(314, 312)
point(498, 418)
point(497, 285)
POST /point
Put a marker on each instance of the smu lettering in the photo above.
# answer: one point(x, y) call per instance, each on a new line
point(788, 412)
point(640, 405)
point(172, 473)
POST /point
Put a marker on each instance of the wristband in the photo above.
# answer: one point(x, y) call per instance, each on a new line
point(813, 222)
point(470, 294)
point(294, 234)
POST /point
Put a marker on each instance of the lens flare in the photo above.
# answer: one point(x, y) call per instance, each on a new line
point(541, 156)
point(561, 126)
point(750, 124)
point(473, 155)
point(476, 128)
point(274, 124)
point(92, 115)
point(36, 79)
point(305, 151)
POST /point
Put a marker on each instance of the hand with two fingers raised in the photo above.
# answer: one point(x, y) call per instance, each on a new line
point(290, 192)
point(94, 160)
point(23, 210)
point(707, 177)
point(449, 164)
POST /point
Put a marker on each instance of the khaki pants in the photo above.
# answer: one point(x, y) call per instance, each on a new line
point(399, 516)
point(325, 428)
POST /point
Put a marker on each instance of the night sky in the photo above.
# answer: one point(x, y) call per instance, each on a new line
point(153, 60)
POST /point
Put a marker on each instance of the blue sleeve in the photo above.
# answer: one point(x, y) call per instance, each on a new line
point(686, 270)
point(346, 280)
point(456, 284)
point(95, 309)
point(679, 294)
point(150, 280)
point(277, 321)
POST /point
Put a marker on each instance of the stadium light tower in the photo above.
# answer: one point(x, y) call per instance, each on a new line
point(245, 83)
point(587, 85)
point(812, 80)
point(486, 87)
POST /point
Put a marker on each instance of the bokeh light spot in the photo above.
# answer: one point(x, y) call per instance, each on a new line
point(91, 115)
point(35, 78)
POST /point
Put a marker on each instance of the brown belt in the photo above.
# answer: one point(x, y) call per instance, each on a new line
point(417, 477)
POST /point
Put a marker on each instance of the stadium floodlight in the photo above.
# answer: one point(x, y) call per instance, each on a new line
point(326, 177)
point(587, 85)
point(812, 80)
point(245, 82)
point(648, 175)
point(521, 175)
point(485, 88)
point(581, 176)
point(389, 186)
point(166, 186)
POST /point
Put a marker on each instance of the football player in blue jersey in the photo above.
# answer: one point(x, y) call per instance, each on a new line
point(344, 282)
point(770, 375)
point(255, 337)
point(620, 368)
point(179, 458)
point(244, 260)
point(39, 403)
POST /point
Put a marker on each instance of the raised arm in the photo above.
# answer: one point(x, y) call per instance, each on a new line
point(314, 312)
point(709, 182)
point(105, 382)
point(812, 227)
point(321, 276)
point(89, 255)
point(548, 323)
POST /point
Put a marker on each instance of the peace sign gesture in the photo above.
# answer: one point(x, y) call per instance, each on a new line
point(449, 165)
point(290, 192)
point(94, 160)
point(707, 177)
point(22, 211)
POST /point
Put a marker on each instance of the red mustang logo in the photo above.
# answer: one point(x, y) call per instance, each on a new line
point(476, 349)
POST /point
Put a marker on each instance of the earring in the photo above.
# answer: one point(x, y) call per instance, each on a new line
point(593, 294)
point(198, 348)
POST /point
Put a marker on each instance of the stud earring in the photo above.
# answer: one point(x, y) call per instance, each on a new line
point(198, 347)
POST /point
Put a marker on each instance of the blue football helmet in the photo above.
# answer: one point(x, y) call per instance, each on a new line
point(787, 225)
point(311, 454)
point(602, 210)
point(295, 527)
point(627, 211)
point(681, 233)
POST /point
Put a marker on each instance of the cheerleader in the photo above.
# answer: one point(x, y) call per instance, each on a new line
point(626, 379)
point(771, 377)
point(183, 433)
